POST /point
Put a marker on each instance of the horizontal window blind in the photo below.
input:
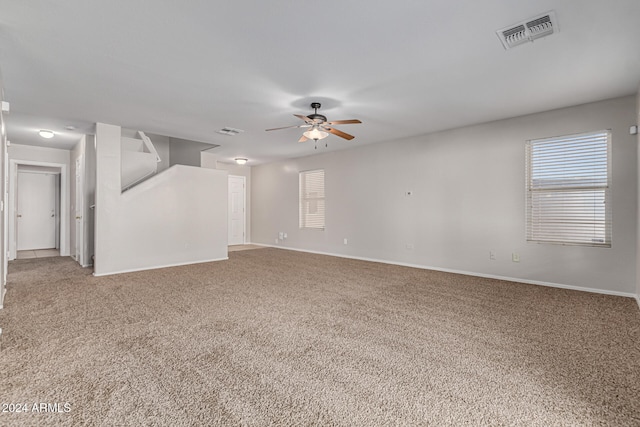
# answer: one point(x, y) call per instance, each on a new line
point(568, 189)
point(312, 202)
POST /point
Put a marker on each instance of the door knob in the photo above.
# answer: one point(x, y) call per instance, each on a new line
point(19, 216)
point(78, 217)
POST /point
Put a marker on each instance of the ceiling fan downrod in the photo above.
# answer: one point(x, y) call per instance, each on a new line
point(317, 118)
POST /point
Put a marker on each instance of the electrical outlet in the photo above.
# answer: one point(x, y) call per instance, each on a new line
point(345, 241)
point(515, 257)
point(492, 255)
point(285, 235)
point(281, 235)
point(277, 241)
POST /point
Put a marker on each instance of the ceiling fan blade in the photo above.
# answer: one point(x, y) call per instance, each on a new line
point(303, 138)
point(290, 127)
point(286, 127)
point(305, 118)
point(344, 122)
point(338, 133)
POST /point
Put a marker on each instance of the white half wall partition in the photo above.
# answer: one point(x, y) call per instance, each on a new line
point(176, 217)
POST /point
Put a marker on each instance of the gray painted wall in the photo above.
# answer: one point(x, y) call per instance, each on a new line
point(468, 198)
point(185, 152)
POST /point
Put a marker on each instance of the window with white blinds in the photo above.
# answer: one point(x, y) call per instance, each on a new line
point(312, 199)
point(568, 182)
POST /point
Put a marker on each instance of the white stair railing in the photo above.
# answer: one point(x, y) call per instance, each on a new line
point(139, 161)
point(149, 145)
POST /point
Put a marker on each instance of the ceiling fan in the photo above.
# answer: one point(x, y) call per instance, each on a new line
point(320, 128)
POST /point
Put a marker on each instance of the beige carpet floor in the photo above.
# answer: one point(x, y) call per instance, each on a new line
point(278, 338)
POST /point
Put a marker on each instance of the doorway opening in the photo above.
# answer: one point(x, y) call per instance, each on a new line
point(38, 212)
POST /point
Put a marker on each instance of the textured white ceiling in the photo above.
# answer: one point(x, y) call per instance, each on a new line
point(187, 69)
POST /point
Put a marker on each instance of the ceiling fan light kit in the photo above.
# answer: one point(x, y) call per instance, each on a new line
point(316, 134)
point(320, 127)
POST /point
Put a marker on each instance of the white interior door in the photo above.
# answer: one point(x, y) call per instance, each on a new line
point(237, 200)
point(36, 213)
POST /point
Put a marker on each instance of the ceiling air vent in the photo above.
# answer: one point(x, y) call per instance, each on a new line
point(229, 131)
point(529, 30)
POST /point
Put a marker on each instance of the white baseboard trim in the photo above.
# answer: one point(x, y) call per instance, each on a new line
point(156, 267)
point(466, 273)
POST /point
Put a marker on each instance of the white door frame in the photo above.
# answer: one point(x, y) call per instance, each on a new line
point(4, 202)
point(244, 207)
point(79, 252)
point(64, 203)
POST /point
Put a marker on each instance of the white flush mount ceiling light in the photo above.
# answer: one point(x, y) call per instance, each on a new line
point(48, 134)
point(241, 160)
